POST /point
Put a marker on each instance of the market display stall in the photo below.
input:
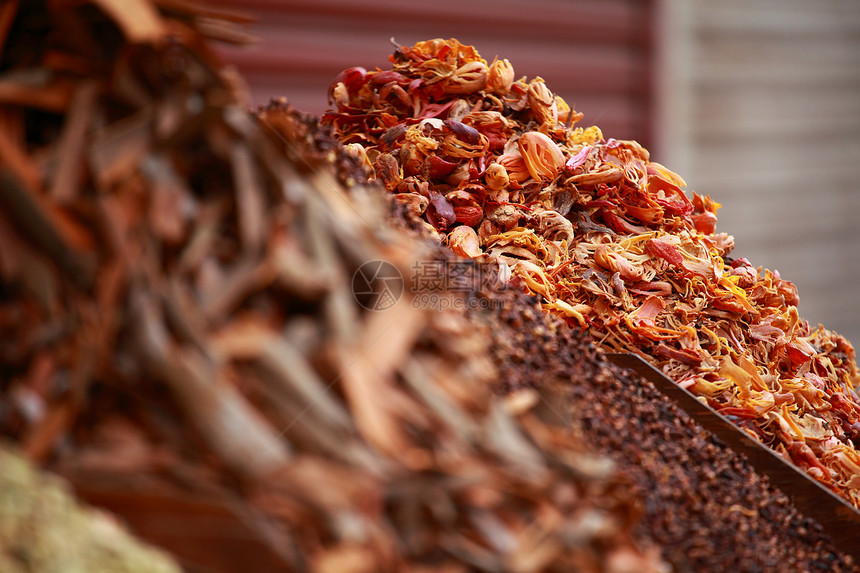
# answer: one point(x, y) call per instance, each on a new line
point(183, 340)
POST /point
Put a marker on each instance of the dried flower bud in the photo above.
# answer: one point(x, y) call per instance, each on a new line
point(339, 95)
point(347, 82)
point(514, 165)
point(414, 185)
point(440, 212)
point(746, 273)
point(493, 125)
point(388, 170)
point(358, 151)
point(504, 217)
point(542, 103)
point(468, 78)
point(615, 263)
point(392, 135)
point(470, 215)
point(497, 177)
point(463, 240)
point(456, 147)
point(459, 174)
point(459, 109)
point(704, 212)
point(464, 132)
point(501, 77)
point(518, 98)
point(487, 229)
point(415, 204)
point(411, 159)
point(543, 159)
point(705, 223)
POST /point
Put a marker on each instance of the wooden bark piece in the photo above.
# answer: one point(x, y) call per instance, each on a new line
point(139, 20)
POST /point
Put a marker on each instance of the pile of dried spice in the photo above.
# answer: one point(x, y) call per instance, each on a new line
point(495, 168)
point(178, 336)
point(701, 501)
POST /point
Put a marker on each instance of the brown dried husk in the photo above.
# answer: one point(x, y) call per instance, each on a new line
point(180, 339)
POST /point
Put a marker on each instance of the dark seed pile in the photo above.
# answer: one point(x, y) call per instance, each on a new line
point(701, 501)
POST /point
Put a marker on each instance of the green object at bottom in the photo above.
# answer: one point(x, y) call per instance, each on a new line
point(43, 529)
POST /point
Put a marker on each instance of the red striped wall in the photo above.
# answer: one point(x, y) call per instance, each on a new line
point(596, 54)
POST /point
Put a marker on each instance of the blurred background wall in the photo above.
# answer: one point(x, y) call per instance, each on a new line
point(759, 107)
point(595, 54)
point(754, 102)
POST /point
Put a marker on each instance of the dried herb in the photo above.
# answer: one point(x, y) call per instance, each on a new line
point(687, 480)
point(179, 338)
point(610, 241)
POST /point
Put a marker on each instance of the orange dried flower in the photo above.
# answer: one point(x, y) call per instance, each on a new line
point(501, 77)
point(463, 240)
point(542, 157)
point(497, 177)
point(615, 263)
point(514, 166)
point(542, 103)
point(468, 78)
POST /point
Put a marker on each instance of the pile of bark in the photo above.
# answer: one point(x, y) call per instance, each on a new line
point(180, 339)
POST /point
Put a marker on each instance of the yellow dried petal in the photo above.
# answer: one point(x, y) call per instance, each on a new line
point(584, 136)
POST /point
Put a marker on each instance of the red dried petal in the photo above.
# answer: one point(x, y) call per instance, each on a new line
point(435, 167)
point(705, 223)
point(665, 251)
point(440, 213)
